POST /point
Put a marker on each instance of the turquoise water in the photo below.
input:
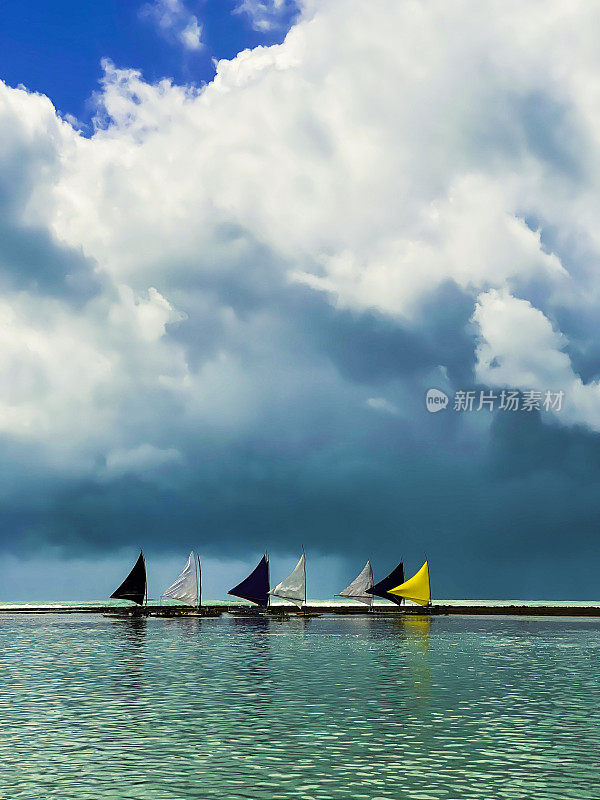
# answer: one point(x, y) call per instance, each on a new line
point(329, 707)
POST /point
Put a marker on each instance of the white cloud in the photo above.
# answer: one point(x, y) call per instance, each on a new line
point(314, 150)
point(191, 35)
point(175, 21)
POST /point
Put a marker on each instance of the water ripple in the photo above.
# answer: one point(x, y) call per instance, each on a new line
point(329, 708)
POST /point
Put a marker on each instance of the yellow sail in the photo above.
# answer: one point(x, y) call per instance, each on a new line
point(416, 588)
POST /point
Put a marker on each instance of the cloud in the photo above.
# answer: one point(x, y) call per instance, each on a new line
point(175, 22)
point(267, 15)
point(203, 302)
point(381, 404)
point(520, 348)
point(141, 460)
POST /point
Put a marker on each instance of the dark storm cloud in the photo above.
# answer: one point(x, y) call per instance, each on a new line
point(491, 515)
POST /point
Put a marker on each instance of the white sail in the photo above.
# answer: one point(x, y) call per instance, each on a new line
point(357, 590)
point(294, 586)
point(186, 587)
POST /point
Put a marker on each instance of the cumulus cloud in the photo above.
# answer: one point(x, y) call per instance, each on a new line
point(208, 287)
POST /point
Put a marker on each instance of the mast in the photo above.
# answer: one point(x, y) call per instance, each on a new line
point(268, 579)
point(402, 600)
point(198, 581)
point(304, 554)
point(428, 580)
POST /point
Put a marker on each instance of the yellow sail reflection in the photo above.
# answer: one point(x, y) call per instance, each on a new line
point(416, 588)
point(417, 625)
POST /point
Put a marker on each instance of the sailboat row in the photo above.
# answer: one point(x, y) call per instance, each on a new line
point(256, 587)
point(187, 587)
point(393, 587)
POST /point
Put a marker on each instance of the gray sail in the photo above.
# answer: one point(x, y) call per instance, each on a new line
point(294, 586)
point(359, 588)
point(187, 586)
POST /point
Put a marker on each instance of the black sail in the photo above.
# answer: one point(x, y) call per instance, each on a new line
point(256, 586)
point(134, 586)
point(395, 578)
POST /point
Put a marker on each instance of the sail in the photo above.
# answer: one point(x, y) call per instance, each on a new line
point(187, 587)
point(256, 586)
point(359, 588)
point(134, 586)
point(382, 589)
point(416, 588)
point(294, 586)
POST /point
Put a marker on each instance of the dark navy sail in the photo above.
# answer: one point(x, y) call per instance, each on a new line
point(134, 586)
point(382, 589)
point(256, 586)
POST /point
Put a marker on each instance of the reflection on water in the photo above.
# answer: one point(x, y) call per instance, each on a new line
point(329, 707)
point(128, 663)
point(131, 630)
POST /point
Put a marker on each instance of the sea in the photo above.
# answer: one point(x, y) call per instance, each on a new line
point(331, 708)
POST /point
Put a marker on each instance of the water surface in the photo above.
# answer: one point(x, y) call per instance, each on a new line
point(330, 707)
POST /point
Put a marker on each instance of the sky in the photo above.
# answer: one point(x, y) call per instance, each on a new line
point(240, 241)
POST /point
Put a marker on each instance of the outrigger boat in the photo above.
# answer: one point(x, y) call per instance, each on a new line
point(417, 589)
point(187, 588)
point(255, 588)
point(133, 588)
point(361, 586)
point(395, 588)
point(391, 581)
point(293, 588)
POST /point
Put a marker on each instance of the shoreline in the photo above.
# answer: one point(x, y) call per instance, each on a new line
point(210, 609)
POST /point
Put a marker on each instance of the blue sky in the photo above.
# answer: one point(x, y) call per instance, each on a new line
point(226, 289)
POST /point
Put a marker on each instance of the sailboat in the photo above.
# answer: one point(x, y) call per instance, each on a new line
point(360, 588)
point(293, 587)
point(134, 587)
point(417, 588)
point(187, 587)
point(256, 586)
point(394, 579)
